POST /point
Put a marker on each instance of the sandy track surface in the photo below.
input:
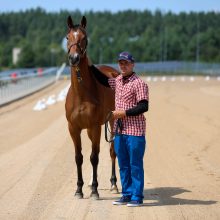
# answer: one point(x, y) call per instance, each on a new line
point(182, 162)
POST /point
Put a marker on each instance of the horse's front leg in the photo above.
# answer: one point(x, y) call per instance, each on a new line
point(75, 135)
point(94, 135)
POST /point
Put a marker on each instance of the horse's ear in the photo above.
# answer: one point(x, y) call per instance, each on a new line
point(83, 22)
point(70, 22)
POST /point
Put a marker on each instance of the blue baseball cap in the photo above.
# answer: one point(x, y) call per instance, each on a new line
point(126, 56)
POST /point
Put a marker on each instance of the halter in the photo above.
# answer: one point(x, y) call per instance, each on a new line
point(82, 52)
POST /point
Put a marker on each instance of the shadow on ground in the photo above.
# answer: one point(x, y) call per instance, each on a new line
point(165, 196)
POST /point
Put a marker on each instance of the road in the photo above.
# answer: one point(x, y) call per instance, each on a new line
point(182, 164)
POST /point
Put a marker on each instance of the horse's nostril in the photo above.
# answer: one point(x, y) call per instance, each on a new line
point(74, 58)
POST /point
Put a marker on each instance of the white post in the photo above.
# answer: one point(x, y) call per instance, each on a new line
point(60, 71)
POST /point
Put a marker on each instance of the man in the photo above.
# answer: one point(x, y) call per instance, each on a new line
point(131, 101)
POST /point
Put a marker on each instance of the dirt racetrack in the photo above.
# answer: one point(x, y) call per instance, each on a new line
point(182, 160)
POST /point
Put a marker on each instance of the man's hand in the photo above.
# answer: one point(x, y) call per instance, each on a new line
point(118, 114)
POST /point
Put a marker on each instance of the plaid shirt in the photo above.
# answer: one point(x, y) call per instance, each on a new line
point(128, 92)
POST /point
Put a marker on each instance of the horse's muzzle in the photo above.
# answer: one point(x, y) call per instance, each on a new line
point(74, 59)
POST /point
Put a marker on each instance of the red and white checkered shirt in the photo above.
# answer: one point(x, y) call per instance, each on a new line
point(128, 92)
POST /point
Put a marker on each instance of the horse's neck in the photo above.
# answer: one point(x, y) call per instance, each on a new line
point(83, 80)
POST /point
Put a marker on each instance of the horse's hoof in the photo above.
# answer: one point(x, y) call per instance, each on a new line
point(94, 195)
point(79, 195)
point(114, 189)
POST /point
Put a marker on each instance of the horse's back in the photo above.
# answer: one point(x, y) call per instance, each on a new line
point(108, 71)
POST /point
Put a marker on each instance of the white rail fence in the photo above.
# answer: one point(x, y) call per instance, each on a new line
point(177, 68)
point(17, 87)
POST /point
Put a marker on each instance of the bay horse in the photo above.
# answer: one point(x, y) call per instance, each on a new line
point(87, 105)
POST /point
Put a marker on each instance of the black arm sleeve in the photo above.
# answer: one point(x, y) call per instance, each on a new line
point(101, 78)
point(140, 108)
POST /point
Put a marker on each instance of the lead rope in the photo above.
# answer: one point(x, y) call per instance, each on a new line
point(107, 130)
point(79, 78)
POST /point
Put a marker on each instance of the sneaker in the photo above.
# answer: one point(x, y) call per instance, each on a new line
point(122, 201)
point(135, 203)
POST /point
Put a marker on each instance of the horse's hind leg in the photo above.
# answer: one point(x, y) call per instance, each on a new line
point(94, 135)
point(114, 188)
point(75, 134)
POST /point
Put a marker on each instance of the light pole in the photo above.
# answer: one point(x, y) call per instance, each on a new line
point(52, 53)
point(197, 40)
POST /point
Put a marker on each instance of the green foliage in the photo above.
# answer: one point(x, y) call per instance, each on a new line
point(149, 36)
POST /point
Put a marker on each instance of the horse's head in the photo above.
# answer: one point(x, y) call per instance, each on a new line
point(76, 41)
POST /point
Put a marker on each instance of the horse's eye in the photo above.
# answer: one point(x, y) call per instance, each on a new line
point(67, 37)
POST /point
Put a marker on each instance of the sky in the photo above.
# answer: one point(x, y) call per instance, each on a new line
point(176, 6)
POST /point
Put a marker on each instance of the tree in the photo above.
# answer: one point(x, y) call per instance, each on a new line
point(149, 36)
point(27, 57)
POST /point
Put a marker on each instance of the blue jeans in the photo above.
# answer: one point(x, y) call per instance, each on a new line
point(130, 152)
